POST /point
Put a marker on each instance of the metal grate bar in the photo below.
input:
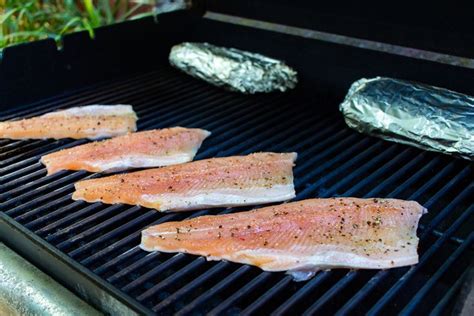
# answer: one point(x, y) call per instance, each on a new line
point(76, 226)
point(172, 279)
point(33, 175)
point(34, 159)
point(137, 264)
point(305, 137)
point(214, 290)
point(156, 271)
point(440, 308)
point(39, 221)
point(217, 269)
point(17, 174)
point(43, 198)
point(340, 285)
point(112, 233)
point(382, 275)
point(47, 104)
point(406, 184)
point(446, 211)
point(293, 124)
point(7, 141)
point(383, 171)
point(33, 185)
point(350, 152)
point(338, 137)
point(131, 252)
point(46, 231)
point(97, 228)
point(251, 286)
point(100, 254)
point(297, 142)
point(284, 282)
point(310, 286)
point(27, 153)
point(12, 144)
point(349, 277)
point(443, 173)
point(244, 135)
point(370, 164)
point(196, 113)
point(19, 193)
point(407, 276)
point(358, 158)
point(438, 233)
point(19, 148)
point(134, 235)
point(421, 293)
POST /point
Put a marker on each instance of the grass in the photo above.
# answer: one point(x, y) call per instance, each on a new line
point(26, 20)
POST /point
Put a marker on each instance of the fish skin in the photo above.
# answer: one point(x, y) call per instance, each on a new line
point(216, 182)
point(145, 149)
point(91, 121)
point(301, 237)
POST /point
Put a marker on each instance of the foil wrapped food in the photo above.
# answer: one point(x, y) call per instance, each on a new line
point(411, 113)
point(233, 69)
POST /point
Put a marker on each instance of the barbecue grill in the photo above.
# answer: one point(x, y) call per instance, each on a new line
point(92, 249)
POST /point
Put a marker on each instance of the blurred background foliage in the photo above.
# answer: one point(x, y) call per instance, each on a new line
point(27, 20)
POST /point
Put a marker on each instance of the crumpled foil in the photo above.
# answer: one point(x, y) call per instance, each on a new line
point(233, 69)
point(411, 113)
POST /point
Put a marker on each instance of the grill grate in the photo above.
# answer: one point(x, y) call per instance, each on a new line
point(333, 161)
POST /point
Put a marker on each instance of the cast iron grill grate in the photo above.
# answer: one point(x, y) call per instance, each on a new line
point(333, 161)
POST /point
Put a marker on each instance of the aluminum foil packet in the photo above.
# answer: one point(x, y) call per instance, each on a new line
point(233, 69)
point(411, 113)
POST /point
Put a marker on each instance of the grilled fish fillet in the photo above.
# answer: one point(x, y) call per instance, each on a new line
point(301, 237)
point(146, 149)
point(92, 121)
point(231, 181)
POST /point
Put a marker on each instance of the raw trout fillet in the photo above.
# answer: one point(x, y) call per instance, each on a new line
point(231, 181)
point(92, 121)
point(146, 149)
point(301, 237)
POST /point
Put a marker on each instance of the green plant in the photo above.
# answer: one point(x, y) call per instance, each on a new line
point(22, 21)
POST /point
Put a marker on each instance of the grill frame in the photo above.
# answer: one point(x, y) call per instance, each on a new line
point(100, 293)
